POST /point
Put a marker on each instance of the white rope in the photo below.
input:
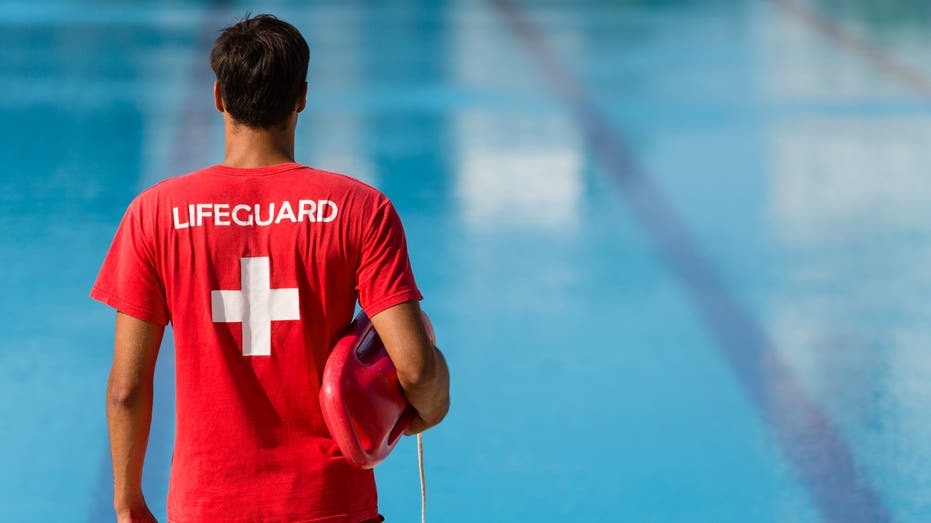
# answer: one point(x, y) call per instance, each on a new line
point(423, 481)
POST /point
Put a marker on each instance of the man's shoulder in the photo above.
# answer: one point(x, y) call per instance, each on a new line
point(346, 182)
point(353, 192)
point(174, 185)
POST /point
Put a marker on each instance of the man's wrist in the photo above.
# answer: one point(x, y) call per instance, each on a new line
point(129, 503)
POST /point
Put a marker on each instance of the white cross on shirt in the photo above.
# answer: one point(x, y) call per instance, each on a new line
point(257, 305)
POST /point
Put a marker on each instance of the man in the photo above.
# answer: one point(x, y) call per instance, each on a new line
point(257, 262)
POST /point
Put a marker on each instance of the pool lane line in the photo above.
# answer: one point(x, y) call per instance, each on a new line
point(863, 48)
point(190, 141)
point(807, 436)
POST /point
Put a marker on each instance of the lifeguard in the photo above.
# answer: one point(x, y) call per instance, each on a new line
point(258, 264)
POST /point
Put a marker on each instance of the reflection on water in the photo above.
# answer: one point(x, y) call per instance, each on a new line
point(849, 179)
point(531, 182)
point(847, 206)
point(848, 201)
point(515, 168)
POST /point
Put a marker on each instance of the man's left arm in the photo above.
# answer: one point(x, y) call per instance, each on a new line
point(129, 412)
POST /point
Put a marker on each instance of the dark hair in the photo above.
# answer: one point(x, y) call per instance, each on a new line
point(261, 65)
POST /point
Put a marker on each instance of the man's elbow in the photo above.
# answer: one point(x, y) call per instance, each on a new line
point(424, 373)
point(418, 375)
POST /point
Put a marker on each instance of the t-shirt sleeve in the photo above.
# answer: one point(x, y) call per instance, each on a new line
point(384, 277)
point(128, 280)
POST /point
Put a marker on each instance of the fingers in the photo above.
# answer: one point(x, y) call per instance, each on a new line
point(416, 427)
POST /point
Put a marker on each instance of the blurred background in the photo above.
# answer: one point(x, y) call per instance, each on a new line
point(678, 253)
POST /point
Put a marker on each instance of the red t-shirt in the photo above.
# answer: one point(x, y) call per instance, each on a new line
point(258, 271)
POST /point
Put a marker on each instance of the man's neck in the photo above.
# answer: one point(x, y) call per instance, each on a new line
point(249, 148)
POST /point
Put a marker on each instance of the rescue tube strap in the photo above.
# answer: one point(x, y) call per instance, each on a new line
point(423, 481)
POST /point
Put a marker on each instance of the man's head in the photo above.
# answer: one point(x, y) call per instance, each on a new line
point(261, 68)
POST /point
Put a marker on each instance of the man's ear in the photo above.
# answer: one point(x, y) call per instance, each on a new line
point(302, 99)
point(218, 97)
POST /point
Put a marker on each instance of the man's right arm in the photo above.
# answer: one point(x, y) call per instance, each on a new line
point(422, 368)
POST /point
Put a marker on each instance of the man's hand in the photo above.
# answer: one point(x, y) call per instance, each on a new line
point(129, 412)
point(418, 425)
point(136, 515)
point(422, 368)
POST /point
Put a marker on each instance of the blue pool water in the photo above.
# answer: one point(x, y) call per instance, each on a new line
point(674, 251)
